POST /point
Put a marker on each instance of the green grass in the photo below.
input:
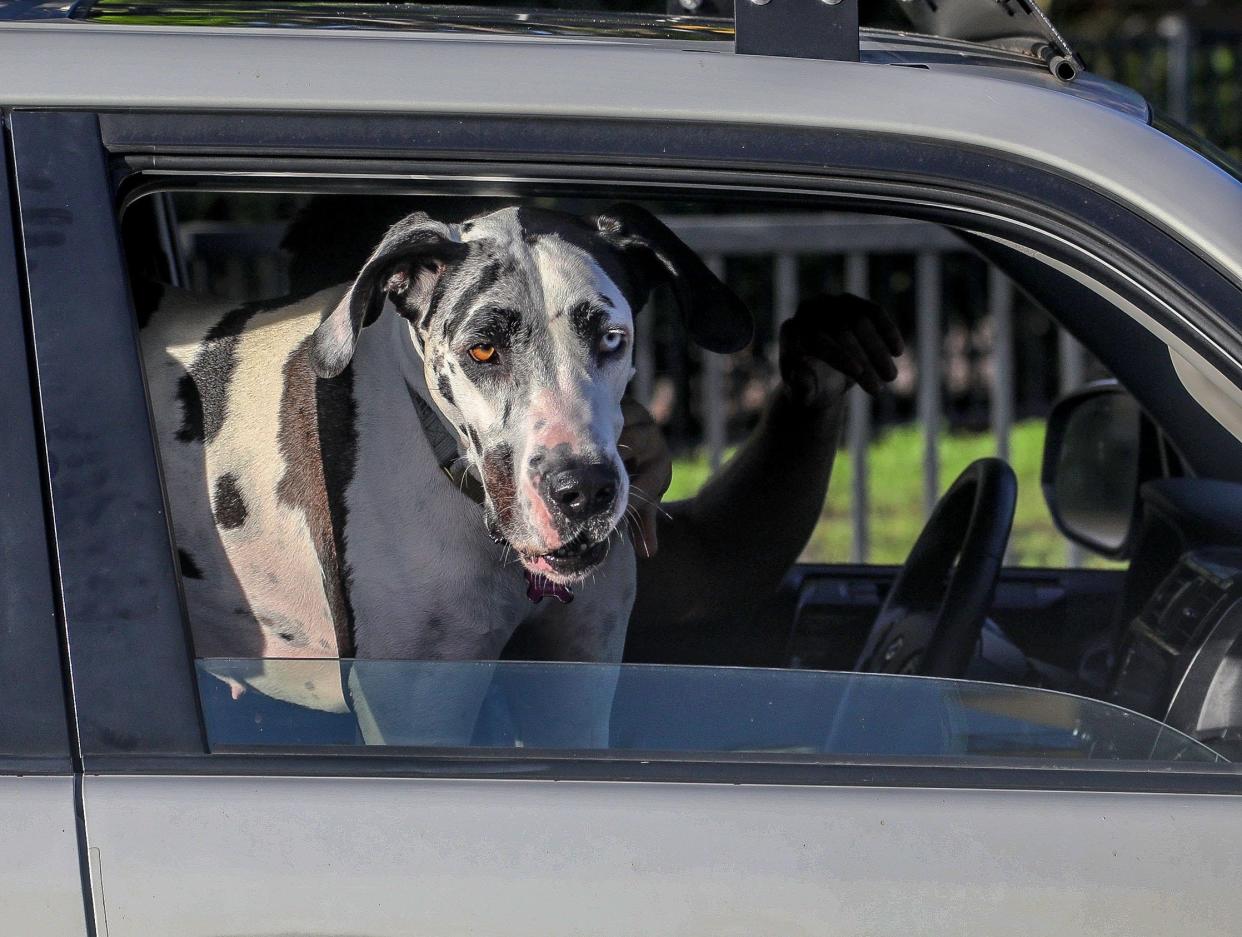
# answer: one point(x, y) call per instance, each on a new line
point(896, 459)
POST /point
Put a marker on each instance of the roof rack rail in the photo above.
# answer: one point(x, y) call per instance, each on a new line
point(828, 29)
point(823, 29)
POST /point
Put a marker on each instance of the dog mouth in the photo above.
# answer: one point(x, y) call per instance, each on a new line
point(570, 560)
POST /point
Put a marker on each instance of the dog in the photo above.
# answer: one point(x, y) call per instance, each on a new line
point(403, 467)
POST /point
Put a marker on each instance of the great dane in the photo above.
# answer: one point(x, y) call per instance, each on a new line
point(401, 467)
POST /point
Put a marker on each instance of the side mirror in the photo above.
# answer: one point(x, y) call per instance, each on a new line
point(1099, 448)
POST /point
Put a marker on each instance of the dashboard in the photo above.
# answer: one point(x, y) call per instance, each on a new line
point(1179, 659)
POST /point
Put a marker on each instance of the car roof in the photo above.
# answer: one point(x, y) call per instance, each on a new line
point(1019, 56)
point(300, 70)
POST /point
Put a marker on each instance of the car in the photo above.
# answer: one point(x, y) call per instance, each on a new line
point(1065, 767)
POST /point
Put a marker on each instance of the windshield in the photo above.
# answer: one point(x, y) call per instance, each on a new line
point(671, 708)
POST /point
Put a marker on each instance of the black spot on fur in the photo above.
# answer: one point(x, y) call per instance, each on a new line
point(191, 410)
point(504, 416)
point(230, 507)
point(204, 392)
point(474, 438)
point(479, 284)
point(189, 569)
point(587, 320)
point(442, 384)
point(448, 277)
point(338, 440)
point(585, 235)
point(504, 327)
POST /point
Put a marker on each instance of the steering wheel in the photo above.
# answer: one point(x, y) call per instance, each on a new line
point(932, 617)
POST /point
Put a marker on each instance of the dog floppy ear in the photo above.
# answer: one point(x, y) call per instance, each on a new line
point(406, 264)
point(714, 315)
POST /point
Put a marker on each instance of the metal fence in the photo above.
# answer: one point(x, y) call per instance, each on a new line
point(1190, 72)
point(788, 240)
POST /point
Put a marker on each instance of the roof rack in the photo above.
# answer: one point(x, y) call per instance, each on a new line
point(823, 29)
point(828, 29)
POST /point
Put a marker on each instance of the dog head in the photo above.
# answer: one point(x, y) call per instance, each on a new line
point(524, 320)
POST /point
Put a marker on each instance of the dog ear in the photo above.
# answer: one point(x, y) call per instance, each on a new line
point(407, 264)
point(714, 315)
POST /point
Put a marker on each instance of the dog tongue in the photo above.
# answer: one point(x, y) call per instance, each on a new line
point(537, 587)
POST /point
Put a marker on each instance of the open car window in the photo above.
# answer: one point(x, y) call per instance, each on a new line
point(997, 364)
point(231, 288)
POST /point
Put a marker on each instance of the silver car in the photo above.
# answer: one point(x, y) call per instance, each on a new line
point(1072, 774)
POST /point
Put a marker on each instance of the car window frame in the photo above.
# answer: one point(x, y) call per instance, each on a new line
point(35, 734)
point(96, 162)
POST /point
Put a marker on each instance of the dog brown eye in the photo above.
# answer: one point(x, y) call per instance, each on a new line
point(483, 352)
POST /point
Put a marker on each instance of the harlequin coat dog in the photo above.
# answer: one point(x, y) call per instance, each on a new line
point(396, 467)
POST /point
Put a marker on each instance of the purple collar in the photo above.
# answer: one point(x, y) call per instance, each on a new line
point(538, 587)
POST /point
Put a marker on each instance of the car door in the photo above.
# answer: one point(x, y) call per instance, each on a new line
point(41, 868)
point(193, 833)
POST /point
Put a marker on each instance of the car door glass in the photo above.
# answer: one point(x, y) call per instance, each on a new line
point(518, 704)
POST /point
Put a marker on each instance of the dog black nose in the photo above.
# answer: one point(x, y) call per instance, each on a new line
point(584, 490)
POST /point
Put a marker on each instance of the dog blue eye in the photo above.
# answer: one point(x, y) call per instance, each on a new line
point(611, 341)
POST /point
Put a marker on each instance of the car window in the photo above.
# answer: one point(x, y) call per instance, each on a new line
point(1000, 361)
point(517, 704)
point(287, 425)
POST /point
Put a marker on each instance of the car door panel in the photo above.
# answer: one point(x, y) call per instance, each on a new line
point(268, 849)
point(41, 891)
point(380, 857)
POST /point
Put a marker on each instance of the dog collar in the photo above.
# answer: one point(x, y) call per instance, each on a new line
point(448, 456)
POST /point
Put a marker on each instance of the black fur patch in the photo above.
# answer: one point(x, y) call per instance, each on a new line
point(338, 440)
point(230, 507)
point(189, 569)
point(480, 283)
point(537, 222)
point(204, 392)
point(442, 384)
point(474, 438)
point(191, 410)
point(588, 321)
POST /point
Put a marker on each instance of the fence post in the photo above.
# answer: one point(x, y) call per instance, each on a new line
point(714, 405)
point(927, 292)
point(170, 239)
point(859, 429)
point(1175, 31)
point(1000, 310)
point(784, 295)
